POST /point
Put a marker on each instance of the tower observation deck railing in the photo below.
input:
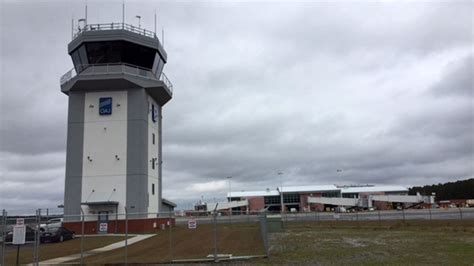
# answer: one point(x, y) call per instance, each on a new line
point(114, 26)
point(115, 68)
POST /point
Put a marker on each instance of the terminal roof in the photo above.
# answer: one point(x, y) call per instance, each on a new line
point(374, 189)
point(315, 189)
point(318, 188)
point(253, 193)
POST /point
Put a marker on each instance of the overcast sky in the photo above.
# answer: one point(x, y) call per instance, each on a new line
point(382, 90)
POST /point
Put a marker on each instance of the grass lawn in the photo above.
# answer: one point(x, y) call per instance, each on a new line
point(236, 239)
point(371, 243)
point(54, 250)
point(301, 243)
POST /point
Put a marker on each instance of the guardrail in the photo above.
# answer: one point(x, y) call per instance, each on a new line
point(117, 68)
point(114, 26)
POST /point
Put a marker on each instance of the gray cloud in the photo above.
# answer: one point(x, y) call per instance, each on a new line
point(380, 90)
point(458, 81)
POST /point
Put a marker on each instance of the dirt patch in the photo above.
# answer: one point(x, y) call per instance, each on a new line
point(354, 242)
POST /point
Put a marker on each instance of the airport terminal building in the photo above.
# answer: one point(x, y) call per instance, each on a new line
point(324, 198)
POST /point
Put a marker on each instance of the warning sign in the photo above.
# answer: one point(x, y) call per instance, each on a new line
point(192, 224)
point(19, 233)
point(103, 228)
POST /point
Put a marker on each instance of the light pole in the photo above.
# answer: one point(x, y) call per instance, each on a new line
point(340, 195)
point(230, 195)
point(230, 179)
point(282, 207)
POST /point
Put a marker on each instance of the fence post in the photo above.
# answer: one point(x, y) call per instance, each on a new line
point(170, 238)
point(47, 218)
point(264, 232)
point(4, 225)
point(215, 235)
point(460, 213)
point(380, 220)
point(37, 240)
point(431, 218)
point(82, 236)
point(126, 235)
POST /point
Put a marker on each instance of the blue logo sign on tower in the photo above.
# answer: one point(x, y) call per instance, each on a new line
point(154, 113)
point(105, 106)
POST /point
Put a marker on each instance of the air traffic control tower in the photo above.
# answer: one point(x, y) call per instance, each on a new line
point(116, 93)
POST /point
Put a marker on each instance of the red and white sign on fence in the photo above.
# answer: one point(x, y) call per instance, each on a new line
point(192, 224)
point(19, 232)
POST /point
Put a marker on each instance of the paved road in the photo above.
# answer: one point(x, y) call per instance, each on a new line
point(422, 214)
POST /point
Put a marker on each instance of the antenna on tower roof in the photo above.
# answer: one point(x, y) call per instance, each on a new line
point(139, 19)
point(86, 14)
point(72, 27)
point(155, 22)
point(123, 13)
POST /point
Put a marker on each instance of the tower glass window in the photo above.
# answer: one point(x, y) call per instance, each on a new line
point(110, 52)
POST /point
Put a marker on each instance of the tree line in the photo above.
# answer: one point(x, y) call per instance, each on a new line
point(462, 189)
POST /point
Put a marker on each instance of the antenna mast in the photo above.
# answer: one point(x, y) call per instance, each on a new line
point(86, 13)
point(155, 22)
point(72, 27)
point(123, 14)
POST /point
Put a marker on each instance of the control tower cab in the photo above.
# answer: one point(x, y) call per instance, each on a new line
point(116, 91)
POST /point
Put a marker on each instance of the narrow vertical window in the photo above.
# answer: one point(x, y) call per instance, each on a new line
point(153, 189)
point(153, 137)
point(153, 163)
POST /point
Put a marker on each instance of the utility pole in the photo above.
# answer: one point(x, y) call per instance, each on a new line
point(229, 199)
point(282, 208)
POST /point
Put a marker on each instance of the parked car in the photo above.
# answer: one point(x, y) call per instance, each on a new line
point(56, 234)
point(55, 222)
point(29, 234)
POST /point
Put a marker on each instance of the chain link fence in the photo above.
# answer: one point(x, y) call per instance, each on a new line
point(129, 237)
point(180, 237)
point(380, 215)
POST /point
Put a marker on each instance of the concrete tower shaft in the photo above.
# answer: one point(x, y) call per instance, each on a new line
point(116, 92)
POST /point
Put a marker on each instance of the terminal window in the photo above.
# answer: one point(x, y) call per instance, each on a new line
point(291, 198)
point(272, 200)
